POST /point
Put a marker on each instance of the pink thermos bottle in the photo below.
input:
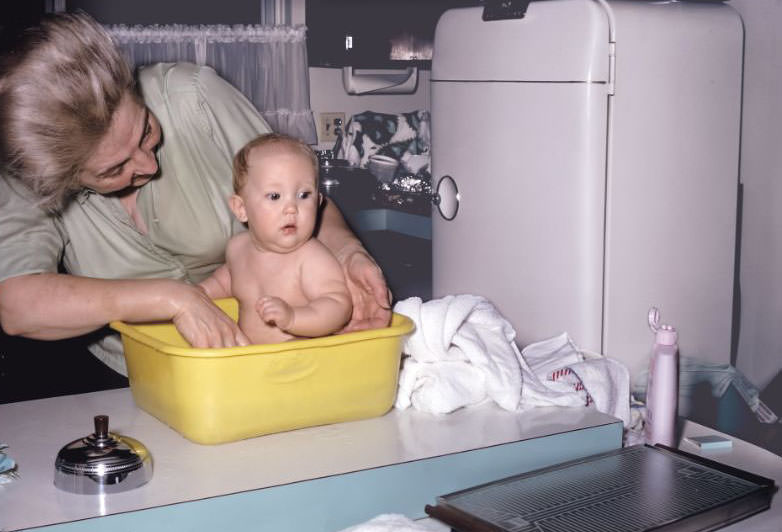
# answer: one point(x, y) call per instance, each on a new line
point(662, 390)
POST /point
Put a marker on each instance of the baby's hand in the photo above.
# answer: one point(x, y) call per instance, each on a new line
point(275, 311)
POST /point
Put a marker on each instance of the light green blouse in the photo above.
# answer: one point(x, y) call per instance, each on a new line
point(205, 121)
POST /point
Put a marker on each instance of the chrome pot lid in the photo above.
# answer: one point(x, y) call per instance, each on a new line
point(103, 462)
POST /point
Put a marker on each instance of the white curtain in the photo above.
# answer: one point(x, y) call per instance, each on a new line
point(267, 63)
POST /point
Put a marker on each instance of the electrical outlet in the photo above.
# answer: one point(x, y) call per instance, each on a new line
point(327, 123)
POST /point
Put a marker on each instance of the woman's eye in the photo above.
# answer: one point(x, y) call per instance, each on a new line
point(274, 196)
point(114, 172)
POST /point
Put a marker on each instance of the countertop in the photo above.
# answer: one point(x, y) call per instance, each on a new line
point(741, 455)
point(748, 457)
point(185, 471)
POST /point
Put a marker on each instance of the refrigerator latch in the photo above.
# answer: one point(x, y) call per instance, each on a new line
point(504, 9)
point(611, 67)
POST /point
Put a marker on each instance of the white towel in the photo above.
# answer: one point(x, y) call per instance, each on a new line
point(600, 381)
point(463, 352)
point(608, 384)
point(538, 362)
point(395, 523)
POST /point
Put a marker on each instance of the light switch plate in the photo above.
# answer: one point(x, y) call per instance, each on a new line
point(327, 125)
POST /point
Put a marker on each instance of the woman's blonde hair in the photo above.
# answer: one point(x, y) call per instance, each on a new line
point(60, 85)
point(240, 166)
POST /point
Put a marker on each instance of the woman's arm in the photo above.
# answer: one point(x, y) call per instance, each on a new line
point(50, 306)
point(368, 289)
point(218, 284)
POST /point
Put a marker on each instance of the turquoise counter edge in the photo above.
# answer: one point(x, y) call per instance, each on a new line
point(332, 503)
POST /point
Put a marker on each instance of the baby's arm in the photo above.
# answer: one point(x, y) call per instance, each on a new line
point(323, 283)
point(275, 311)
point(218, 284)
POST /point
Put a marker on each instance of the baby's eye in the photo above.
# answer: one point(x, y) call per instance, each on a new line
point(305, 195)
point(274, 196)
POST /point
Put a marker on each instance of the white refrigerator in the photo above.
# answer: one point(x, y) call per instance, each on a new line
point(586, 159)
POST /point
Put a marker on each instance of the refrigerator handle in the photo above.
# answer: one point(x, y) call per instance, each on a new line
point(446, 197)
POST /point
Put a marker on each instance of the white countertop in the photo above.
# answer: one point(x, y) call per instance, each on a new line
point(749, 457)
point(184, 471)
point(741, 455)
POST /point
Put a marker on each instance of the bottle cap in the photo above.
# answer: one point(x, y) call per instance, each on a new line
point(664, 334)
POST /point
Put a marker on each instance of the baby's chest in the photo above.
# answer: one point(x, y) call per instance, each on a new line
point(251, 279)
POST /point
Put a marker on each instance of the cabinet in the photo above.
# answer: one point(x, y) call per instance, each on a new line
point(397, 235)
point(33, 369)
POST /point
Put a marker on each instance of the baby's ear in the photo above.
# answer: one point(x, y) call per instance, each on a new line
point(320, 199)
point(236, 203)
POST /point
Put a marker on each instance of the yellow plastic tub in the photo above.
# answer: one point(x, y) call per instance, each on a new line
point(220, 395)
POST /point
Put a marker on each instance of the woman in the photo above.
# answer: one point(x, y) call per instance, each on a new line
point(123, 185)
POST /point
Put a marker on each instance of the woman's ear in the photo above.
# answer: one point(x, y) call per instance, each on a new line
point(236, 203)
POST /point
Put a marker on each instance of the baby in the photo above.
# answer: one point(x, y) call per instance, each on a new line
point(287, 283)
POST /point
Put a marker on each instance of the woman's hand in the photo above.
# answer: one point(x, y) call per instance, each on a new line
point(202, 323)
point(368, 290)
point(62, 306)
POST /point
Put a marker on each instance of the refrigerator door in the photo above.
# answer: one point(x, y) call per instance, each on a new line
point(519, 118)
point(673, 177)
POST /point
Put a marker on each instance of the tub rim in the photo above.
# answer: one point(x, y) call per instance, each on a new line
point(400, 325)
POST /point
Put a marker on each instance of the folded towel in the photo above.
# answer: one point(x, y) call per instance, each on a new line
point(608, 384)
point(539, 361)
point(462, 352)
point(600, 381)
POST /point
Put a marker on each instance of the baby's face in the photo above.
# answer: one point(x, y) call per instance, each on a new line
point(280, 199)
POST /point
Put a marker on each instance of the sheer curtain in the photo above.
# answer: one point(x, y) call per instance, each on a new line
point(267, 63)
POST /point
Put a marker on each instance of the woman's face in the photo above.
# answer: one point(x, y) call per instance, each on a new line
point(125, 157)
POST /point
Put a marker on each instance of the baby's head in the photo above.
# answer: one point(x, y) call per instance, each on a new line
point(276, 191)
point(267, 144)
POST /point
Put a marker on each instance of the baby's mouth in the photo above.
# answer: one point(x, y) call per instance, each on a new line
point(289, 228)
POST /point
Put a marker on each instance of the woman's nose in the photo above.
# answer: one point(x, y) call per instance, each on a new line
point(145, 162)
